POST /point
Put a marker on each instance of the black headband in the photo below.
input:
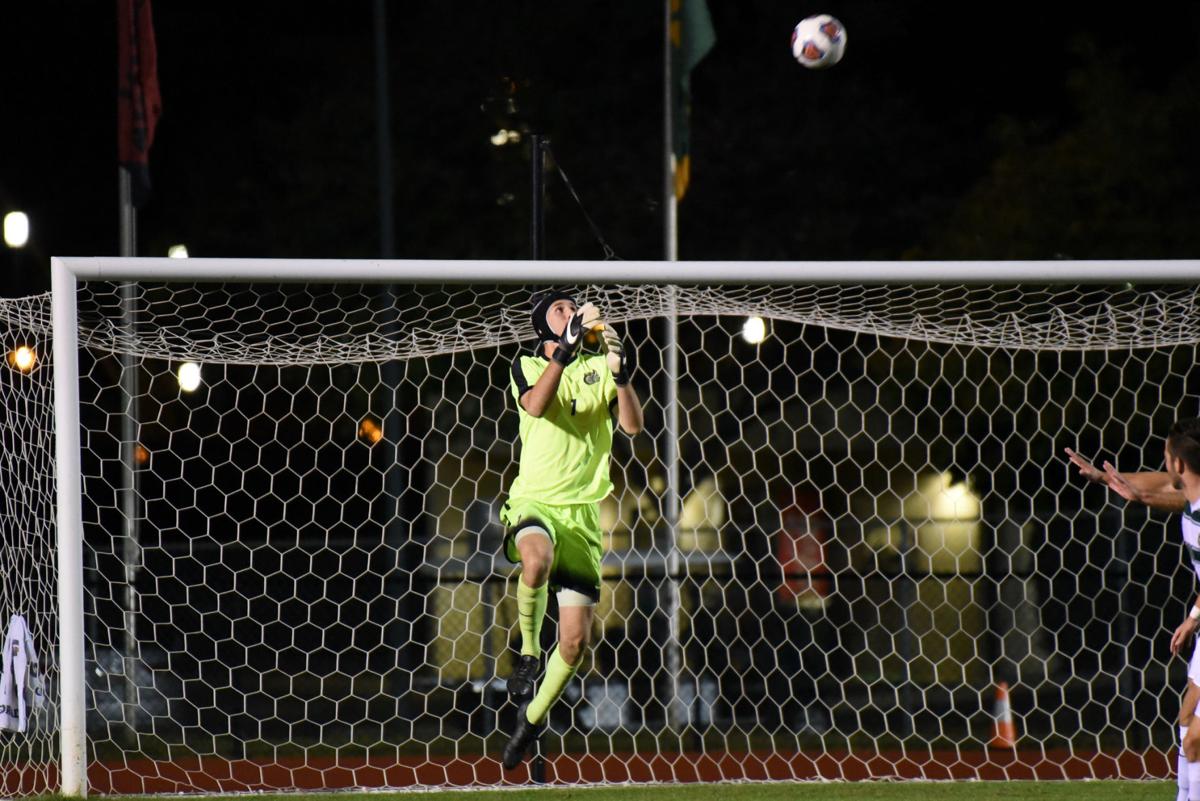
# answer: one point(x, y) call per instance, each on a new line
point(541, 302)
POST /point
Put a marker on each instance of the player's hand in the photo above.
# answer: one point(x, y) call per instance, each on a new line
point(1086, 468)
point(583, 320)
point(1182, 635)
point(615, 355)
point(1120, 485)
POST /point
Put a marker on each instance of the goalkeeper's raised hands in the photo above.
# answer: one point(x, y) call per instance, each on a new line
point(615, 355)
point(585, 318)
point(629, 408)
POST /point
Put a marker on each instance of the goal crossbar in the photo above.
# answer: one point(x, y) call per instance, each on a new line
point(369, 271)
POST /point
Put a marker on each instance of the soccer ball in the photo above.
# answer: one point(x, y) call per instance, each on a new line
point(819, 41)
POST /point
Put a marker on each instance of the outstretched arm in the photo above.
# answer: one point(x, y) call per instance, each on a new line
point(1150, 488)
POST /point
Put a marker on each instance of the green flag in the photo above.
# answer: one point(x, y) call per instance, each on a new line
point(692, 36)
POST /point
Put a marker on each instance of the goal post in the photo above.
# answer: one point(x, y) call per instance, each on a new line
point(917, 334)
point(69, 497)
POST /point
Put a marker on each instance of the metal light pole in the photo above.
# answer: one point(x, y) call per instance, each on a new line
point(131, 549)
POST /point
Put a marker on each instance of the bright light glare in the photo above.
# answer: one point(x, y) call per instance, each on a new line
point(23, 358)
point(189, 376)
point(504, 137)
point(754, 330)
point(369, 430)
point(16, 229)
point(177, 251)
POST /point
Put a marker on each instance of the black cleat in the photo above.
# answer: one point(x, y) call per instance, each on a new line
point(520, 683)
point(524, 733)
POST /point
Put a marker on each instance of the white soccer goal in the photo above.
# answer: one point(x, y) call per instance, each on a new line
point(825, 552)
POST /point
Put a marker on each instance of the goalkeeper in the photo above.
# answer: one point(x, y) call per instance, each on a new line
point(567, 400)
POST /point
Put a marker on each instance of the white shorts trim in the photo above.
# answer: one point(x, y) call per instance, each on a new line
point(573, 598)
point(532, 530)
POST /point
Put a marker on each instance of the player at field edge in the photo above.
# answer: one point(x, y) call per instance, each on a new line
point(567, 399)
point(1177, 489)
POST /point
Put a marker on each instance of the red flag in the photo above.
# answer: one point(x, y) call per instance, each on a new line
point(138, 101)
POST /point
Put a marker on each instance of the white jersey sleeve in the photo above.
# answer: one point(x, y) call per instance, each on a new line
point(1190, 524)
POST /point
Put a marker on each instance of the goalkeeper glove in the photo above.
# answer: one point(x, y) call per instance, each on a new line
point(585, 317)
point(615, 356)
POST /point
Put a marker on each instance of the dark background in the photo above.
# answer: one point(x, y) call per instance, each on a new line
point(984, 130)
point(965, 131)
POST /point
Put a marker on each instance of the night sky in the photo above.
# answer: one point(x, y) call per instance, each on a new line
point(965, 130)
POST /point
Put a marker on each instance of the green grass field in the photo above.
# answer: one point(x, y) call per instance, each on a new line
point(832, 791)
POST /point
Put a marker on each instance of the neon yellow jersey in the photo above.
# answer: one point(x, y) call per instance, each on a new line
point(565, 452)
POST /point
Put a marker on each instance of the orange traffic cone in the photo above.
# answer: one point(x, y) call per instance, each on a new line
point(1004, 732)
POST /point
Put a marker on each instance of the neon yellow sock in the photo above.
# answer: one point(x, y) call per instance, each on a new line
point(531, 610)
point(558, 673)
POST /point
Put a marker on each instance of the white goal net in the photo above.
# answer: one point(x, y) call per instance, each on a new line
point(842, 530)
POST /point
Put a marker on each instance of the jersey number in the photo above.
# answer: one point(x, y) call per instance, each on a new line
point(573, 400)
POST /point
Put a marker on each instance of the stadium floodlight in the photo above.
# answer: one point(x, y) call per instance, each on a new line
point(177, 252)
point(23, 358)
point(754, 330)
point(311, 609)
point(189, 376)
point(16, 229)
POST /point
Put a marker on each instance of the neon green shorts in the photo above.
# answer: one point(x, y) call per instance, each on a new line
point(575, 532)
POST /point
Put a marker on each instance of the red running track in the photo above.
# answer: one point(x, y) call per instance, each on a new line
point(214, 774)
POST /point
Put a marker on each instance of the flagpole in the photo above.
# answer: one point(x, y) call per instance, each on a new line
point(138, 108)
point(131, 544)
point(383, 129)
point(670, 207)
point(128, 220)
point(676, 718)
point(537, 246)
